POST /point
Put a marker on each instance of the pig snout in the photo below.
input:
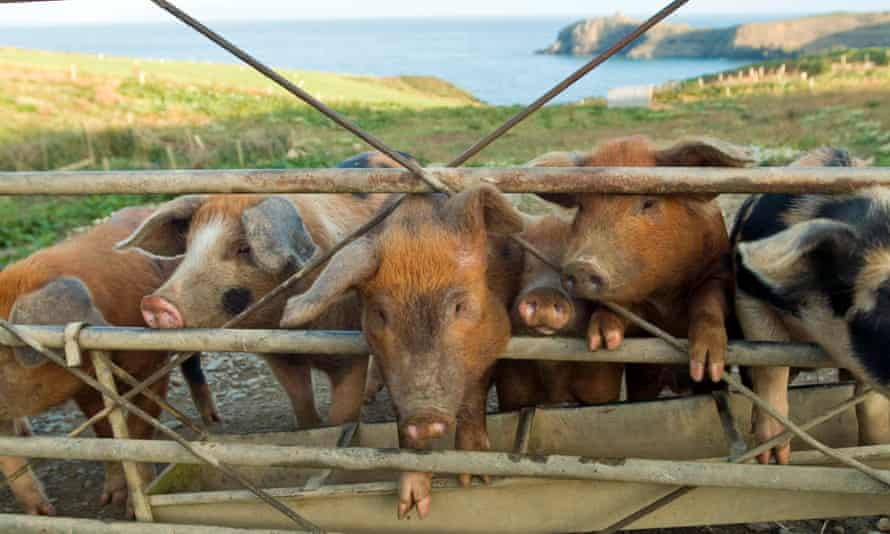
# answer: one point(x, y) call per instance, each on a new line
point(421, 427)
point(158, 312)
point(582, 279)
point(545, 310)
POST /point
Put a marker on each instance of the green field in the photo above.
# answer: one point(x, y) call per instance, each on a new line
point(189, 115)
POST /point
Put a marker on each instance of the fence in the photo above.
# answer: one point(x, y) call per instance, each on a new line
point(859, 478)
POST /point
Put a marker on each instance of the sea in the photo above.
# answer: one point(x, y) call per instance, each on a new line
point(493, 58)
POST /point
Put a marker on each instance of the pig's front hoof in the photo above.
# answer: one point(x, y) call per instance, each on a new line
point(765, 429)
point(114, 491)
point(707, 348)
point(466, 479)
point(605, 329)
point(206, 405)
point(414, 492)
point(36, 503)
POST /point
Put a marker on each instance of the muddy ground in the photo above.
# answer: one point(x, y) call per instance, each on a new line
point(250, 400)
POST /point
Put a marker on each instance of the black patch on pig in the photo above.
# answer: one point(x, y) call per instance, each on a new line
point(761, 216)
point(278, 238)
point(764, 216)
point(61, 301)
point(235, 300)
point(870, 338)
point(192, 371)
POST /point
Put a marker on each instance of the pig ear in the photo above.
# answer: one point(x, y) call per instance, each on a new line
point(705, 152)
point(825, 157)
point(347, 269)
point(778, 260)
point(164, 232)
point(63, 300)
point(278, 239)
point(483, 209)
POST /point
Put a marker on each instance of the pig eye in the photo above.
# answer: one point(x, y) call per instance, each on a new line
point(648, 203)
point(244, 249)
point(380, 315)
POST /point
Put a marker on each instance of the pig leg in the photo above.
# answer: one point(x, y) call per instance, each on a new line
point(375, 380)
point(296, 379)
point(518, 385)
point(596, 383)
point(414, 488)
point(27, 488)
point(605, 330)
point(760, 323)
point(140, 429)
point(114, 490)
point(470, 433)
point(873, 416)
point(347, 392)
point(707, 330)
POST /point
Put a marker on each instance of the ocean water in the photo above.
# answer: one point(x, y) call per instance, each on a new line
point(493, 58)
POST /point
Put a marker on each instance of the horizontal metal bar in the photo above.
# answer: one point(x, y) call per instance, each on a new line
point(70, 525)
point(509, 180)
point(819, 479)
point(302, 342)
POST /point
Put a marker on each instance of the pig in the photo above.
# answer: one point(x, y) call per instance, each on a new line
point(237, 248)
point(435, 281)
point(544, 308)
point(80, 279)
point(816, 268)
point(664, 257)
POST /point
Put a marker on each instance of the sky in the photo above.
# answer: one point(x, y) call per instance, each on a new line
point(108, 11)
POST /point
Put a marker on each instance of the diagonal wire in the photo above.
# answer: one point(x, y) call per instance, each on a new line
point(303, 95)
point(753, 397)
point(157, 425)
point(566, 83)
point(663, 501)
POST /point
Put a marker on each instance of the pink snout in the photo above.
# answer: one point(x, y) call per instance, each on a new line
point(545, 309)
point(158, 312)
point(422, 427)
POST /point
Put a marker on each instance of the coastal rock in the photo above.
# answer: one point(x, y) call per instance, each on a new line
point(759, 40)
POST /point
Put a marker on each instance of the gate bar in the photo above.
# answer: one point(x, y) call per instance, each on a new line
point(794, 478)
point(628, 180)
point(70, 525)
point(353, 344)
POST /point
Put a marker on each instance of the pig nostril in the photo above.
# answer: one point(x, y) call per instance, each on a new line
point(557, 308)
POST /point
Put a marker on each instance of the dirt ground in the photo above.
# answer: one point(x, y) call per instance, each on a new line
point(250, 400)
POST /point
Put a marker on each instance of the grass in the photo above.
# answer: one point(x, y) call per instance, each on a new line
point(218, 116)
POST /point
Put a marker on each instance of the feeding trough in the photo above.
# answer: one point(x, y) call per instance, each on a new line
point(673, 429)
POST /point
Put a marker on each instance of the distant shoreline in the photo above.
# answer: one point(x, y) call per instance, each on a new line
point(784, 38)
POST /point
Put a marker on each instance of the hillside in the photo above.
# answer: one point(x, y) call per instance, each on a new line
point(760, 40)
point(113, 122)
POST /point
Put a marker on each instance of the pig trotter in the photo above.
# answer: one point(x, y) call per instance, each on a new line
point(606, 329)
point(114, 491)
point(707, 346)
point(771, 383)
point(414, 491)
point(203, 399)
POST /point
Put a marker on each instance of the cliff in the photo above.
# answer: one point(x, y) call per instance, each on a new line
point(758, 40)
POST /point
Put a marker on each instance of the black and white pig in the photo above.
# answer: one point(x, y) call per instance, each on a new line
point(816, 268)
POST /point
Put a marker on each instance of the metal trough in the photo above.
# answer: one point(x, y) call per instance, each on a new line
point(676, 429)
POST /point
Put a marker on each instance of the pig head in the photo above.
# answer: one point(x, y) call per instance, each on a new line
point(428, 310)
point(239, 248)
point(625, 248)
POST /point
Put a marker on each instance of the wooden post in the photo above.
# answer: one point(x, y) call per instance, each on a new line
point(135, 483)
